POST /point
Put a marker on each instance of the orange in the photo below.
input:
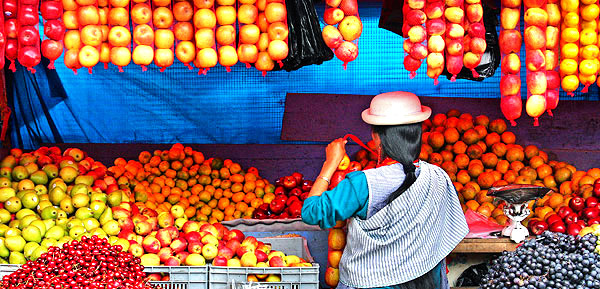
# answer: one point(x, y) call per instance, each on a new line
point(562, 174)
point(489, 160)
point(508, 137)
point(497, 175)
point(205, 196)
point(238, 197)
point(492, 138)
point(236, 178)
point(464, 125)
point(472, 205)
point(435, 159)
point(256, 203)
point(218, 194)
point(497, 212)
point(468, 192)
point(499, 149)
point(536, 161)
point(514, 154)
point(453, 113)
point(541, 212)
point(438, 119)
point(250, 177)
point(498, 126)
point(206, 210)
point(461, 160)
point(451, 122)
point(516, 166)
point(436, 140)
point(237, 187)
point(543, 171)
point(510, 176)
point(549, 181)
point(586, 191)
point(218, 215)
point(450, 167)
point(555, 200)
point(459, 148)
point(565, 188)
point(457, 185)
point(249, 197)
point(201, 217)
point(470, 137)
point(594, 173)
point(485, 180)
point(482, 120)
point(523, 180)
point(571, 168)
point(463, 177)
point(228, 218)
point(474, 151)
point(451, 135)
point(474, 185)
point(586, 180)
point(484, 210)
point(241, 206)
point(227, 193)
point(229, 210)
point(446, 155)
point(237, 215)
point(528, 172)
point(249, 186)
point(425, 137)
point(501, 220)
point(190, 212)
point(481, 131)
point(223, 203)
point(194, 199)
point(475, 170)
point(502, 166)
point(482, 197)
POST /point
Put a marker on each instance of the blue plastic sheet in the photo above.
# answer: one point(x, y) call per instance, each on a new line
point(179, 105)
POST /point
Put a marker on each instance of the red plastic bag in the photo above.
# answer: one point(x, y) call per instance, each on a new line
point(480, 226)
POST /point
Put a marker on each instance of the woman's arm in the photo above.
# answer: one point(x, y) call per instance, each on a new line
point(334, 152)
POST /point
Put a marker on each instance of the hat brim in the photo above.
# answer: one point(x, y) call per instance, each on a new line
point(396, 120)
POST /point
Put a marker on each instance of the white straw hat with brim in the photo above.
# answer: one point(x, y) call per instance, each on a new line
point(395, 108)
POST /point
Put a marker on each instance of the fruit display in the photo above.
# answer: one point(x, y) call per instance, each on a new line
point(343, 38)
point(588, 42)
point(28, 34)
point(205, 21)
point(275, 22)
point(414, 31)
point(570, 45)
point(54, 29)
point(510, 41)
point(225, 33)
point(91, 263)
point(536, 20)
point(552, 260)
point(436, 27)
point(289, 195)
point(336, 242)
point(182, 181)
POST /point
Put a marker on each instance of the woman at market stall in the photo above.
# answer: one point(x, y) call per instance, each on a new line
point(405, 216)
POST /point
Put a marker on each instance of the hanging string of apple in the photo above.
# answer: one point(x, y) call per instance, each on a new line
point(343, 29)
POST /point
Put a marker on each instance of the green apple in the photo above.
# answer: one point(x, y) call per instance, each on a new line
point(12, 232)
point(67, 205)
point(15, 244)
point(19, 173)
point(41, 189)
point(80, 200)
point(4, 252)
point(86, 180)
point(98, 208)
point(16, 258)
point(38, 252)
point(73, 223)
point(39, 178)
point(29, 249)
point(40, 225)
point(62, 222)
point(49, 243)
point(115, 197)
point(111, 228)
point(5, 182)
point(51, 170)
point(49, 213)
point(4, 216)
point(27, 220)
point(83, 213)
point(3, 229)
point(56, 195)
point(49, 223)
point(76, 232)
point(96, 196)
point(32, 234)
point(13, 204)
point(30, 200)
point(99, 232)
point(106, 216)
point(56, 233)
point(91, 224)
point(7, 193)
point(79, 189)
point(43, 204)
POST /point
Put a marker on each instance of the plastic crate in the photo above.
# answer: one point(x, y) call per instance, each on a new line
point(291, 277)
point(181, 277)
point(7, 269)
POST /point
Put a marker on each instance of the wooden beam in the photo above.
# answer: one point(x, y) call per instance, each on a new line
point(485, 246)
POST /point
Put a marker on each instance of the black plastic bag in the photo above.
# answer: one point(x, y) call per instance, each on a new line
point(391, 16)
point(472, 276)
point(490, 60)
point(305, 41)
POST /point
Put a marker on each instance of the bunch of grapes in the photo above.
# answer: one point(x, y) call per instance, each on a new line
point(550, 261)
point(91, 263)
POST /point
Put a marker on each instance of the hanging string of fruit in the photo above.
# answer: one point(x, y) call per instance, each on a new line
point(10, 30)
point(336, 242)
point(510, 45)
point(162, 19)
point(455, 33)
point(119, 37)
point(415, 32)
point(225, 33)
point(588, 67)
point(551, 55)
point(2, 38)
point(54, 30)
point(436, 27)
point(205, 21)
point(143, 44)
point(105, 17)
point(536, 20)
point(248, 36)
point(570, 48)
point(276, 16)
point(29, 36)
point(185, 51)
point(475, 44)
point(343, 29)
point(88, 17)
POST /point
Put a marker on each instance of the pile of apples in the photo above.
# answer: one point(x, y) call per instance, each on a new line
point(582, 210)
point(344, 14)
point(290, 193)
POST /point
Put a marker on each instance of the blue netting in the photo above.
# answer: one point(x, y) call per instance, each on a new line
point(237, 107)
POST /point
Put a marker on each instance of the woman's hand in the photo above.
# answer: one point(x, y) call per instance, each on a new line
point(336, 151)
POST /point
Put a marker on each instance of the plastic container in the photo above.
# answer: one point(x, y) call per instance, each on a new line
point(181, 277)
point(7, 269)
point(291, 277)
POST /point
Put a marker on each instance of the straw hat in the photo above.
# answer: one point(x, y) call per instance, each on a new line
point(394, 108)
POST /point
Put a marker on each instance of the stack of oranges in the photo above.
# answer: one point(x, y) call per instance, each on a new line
point(212, 190)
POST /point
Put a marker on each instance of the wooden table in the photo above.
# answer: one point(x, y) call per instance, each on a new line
point(470, 246)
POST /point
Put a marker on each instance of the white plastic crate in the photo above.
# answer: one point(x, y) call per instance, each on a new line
point(291, 277)
point(181, 277)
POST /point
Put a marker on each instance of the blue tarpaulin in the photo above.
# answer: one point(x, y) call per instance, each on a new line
point(179, 105)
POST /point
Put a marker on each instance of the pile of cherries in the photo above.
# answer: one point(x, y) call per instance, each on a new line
point(91, 263)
